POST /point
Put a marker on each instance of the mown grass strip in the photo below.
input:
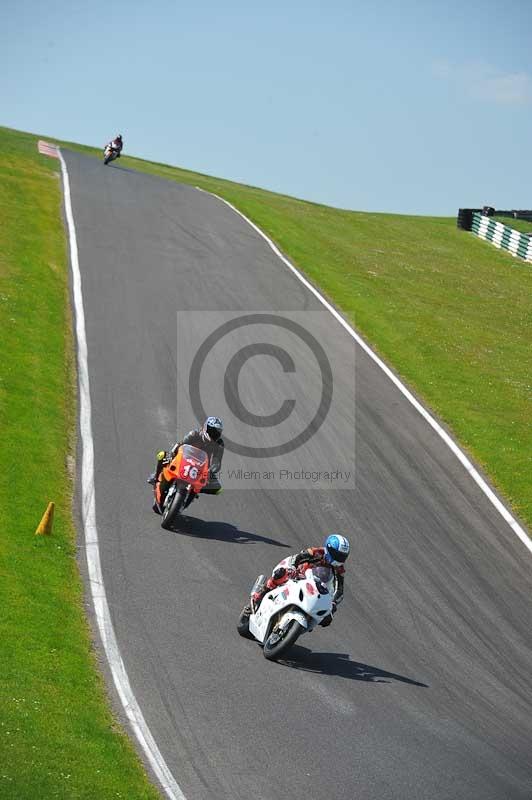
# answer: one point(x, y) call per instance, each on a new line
point(58, 738)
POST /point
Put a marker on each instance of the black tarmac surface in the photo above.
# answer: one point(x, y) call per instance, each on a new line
point(422, 687)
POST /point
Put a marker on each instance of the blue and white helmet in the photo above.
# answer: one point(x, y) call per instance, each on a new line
point(337, 549)
point(212, 429)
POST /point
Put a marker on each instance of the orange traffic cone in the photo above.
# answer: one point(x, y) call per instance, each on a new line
point(45, 525)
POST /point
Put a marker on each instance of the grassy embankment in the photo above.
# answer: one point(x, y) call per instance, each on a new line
point(57, 737)
point(453, 316)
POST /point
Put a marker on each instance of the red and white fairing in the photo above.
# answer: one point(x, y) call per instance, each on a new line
point(306, 598)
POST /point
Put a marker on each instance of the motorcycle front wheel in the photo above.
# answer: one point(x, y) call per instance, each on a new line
point(173, 509)
point(278, 642)
point(242, 625)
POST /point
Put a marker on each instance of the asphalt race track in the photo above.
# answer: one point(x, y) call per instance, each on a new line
point(422, 687)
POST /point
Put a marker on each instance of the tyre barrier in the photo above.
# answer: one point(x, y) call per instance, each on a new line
point(501, 236)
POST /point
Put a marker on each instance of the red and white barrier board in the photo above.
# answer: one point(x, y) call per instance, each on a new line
point(47, 149)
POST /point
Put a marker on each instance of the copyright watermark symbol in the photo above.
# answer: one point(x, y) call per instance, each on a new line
point(231, 382)
point(284, 385)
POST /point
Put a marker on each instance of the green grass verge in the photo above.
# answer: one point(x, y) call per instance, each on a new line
point(522, 225)
point(452, 316)
point(58, 738)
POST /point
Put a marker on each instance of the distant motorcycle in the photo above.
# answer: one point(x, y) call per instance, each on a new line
point(289, 610)
point(110, 153)
point(187, 473)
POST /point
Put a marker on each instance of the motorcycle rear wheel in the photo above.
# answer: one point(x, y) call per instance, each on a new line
point(172, 511)
point(275, 646)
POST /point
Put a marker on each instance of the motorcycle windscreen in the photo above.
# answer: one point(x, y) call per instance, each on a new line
point(323, 576)
point(199, 457)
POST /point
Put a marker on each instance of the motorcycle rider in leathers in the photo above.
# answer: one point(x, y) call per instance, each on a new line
point(207, 438)
point(116, 144)
point(333, 554)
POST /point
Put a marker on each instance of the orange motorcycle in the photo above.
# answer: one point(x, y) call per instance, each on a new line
point(182, 478)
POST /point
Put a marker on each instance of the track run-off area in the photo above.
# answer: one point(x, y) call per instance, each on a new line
point(422, 686)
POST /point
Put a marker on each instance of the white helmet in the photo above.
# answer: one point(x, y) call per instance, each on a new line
point(212, 429)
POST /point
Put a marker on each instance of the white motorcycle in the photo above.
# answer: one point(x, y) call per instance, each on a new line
point(110, 153)
point(296, 607)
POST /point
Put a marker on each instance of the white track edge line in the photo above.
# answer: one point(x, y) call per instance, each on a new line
point(101, 608)
point(451, 444)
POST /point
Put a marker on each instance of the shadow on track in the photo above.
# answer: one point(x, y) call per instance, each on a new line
point(222, 531)
point(114, 165)
point(339, 664)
